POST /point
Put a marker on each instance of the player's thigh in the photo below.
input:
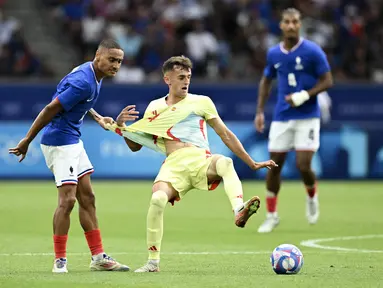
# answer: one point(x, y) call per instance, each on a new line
point(84, 192)
point(211, 172)
point(63, 161)
point(166, 187)
point(67, 196)
point(85, 167)
point(281, 136)
point(307, 133)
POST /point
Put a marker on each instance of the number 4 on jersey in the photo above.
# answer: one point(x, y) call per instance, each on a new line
point(292, 80)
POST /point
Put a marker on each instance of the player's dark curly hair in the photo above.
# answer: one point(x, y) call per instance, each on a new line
point(182, 61)
point(109, 44)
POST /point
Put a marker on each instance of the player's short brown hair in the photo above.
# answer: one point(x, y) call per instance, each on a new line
point(182, 61)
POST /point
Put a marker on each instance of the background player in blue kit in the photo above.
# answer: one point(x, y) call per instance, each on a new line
point(302, 71)
point(65, 155)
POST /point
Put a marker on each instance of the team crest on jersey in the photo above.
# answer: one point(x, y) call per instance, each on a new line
point(174, 109)
point(298, 62)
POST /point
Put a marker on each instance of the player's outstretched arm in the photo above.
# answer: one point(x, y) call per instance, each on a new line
point(102, 121)
point(129, 113)
point(263, 96)
point(45, 116)
point(232, 142)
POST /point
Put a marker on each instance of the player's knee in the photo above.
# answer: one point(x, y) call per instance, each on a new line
point(159, 199)
point(304, 166)
point(67, 203)
point(223, 165)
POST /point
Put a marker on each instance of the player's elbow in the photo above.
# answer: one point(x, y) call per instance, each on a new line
point(329, 81)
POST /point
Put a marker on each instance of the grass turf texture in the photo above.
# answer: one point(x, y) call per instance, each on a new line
point(201, 222)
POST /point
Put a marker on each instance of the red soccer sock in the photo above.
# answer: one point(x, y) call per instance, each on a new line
point(94, 241)
point(311, 191)
point(59, 243)
point(271, 203)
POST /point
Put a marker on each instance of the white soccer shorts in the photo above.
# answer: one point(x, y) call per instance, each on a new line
point(68, 163)
point(298, 135)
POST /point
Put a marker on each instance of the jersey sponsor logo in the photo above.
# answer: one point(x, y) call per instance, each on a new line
point(298, 62)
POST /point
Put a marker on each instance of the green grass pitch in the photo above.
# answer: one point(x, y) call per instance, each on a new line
point(199, 240)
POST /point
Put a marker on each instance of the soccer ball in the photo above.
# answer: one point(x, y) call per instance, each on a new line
point(286, 259)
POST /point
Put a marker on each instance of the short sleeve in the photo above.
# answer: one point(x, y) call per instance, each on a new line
point(320, 61)
point(269, 71)
point(208, 109)
point(75, 91)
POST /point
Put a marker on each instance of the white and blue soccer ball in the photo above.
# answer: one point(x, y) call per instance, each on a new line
point(286, 259)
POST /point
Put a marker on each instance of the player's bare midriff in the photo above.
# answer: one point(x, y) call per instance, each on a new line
point(172, 146)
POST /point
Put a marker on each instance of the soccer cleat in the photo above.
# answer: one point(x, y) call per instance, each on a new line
point(244, 212)
point(270, 223)
point(59, 266)
point(312, 209)
point(149, 267)
point(107, 263)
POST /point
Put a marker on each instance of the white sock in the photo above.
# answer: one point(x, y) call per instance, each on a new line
point(272, 214)
point(155, 262)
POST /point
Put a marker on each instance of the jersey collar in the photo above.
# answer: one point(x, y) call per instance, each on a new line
point(292, 49)
point(94, 73)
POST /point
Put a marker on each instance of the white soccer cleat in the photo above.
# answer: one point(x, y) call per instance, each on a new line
point(59, 266)
point(270, 223)
point(107, 263)
point(149, 267)
point(312, 209)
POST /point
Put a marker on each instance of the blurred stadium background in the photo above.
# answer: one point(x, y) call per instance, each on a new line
point(42, 40)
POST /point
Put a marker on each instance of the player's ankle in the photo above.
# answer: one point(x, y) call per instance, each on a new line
point(155, 262)
point(311, 191)
point(98, 256)
point(272, 214)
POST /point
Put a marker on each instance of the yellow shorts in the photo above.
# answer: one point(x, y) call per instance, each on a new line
point(186, 169)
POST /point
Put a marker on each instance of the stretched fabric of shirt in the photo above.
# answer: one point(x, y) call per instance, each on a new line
point(184, 121)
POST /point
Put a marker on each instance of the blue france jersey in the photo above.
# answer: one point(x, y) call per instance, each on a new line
point(77, 92)
point(296, 70)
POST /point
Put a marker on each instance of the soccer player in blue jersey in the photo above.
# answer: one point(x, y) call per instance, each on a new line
point(65, 155)
point(302, 72)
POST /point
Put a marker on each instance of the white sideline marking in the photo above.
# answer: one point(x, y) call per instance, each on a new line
point(314, 243)
point(164, 253)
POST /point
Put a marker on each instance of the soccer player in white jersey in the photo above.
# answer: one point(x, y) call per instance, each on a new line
point(302, 72)
point(177, 123)
point(65, 155)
